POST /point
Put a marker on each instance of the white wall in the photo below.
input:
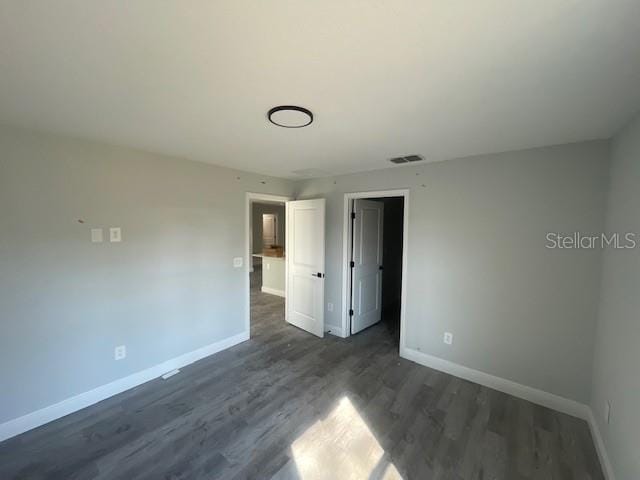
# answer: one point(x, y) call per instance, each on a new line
point(617, 360)
point(478, 265)
point(167, 289)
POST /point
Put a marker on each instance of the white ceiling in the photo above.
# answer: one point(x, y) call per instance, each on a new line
point(443, 79)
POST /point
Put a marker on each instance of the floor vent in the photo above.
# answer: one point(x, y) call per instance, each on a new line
point(170, 374)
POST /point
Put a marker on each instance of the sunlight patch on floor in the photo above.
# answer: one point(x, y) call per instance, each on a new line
point(340, 446)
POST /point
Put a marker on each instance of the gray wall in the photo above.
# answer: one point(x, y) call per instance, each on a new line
point(167, 289)
point(617, 358)
point(478, 265)
point(257, 209)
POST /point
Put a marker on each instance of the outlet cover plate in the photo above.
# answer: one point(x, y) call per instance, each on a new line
point(120, 352)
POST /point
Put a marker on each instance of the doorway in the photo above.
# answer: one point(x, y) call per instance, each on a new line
point(265, 261)
point(374, 259)
point(270, 222)
point(298, 258)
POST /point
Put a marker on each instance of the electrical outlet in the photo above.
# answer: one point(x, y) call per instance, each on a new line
point(120, 352)
point(607, 412)
point(448, 338)
point(330, 307)
point(115, 234)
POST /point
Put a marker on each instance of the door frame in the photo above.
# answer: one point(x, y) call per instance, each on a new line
point(251, 197)
point(346, 241)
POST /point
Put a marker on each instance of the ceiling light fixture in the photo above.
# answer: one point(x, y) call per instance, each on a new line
point(290, 116)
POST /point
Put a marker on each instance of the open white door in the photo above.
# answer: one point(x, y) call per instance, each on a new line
point(366, 271)
point(305, 265)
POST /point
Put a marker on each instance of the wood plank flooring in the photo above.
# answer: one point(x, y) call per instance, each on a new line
point(287, 405)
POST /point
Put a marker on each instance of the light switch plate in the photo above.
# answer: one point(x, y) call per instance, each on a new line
point(115, 234)
point(448, 338)
point(237, 262)
point(330, 307)
point(96, 235)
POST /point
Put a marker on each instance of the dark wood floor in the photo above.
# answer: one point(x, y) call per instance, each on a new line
point(288, 405)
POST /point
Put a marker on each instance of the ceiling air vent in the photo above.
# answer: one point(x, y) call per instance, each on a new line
point(407, 159)
point(398, 160)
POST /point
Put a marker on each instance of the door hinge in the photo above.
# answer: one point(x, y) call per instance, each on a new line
point(353, 215)
point(351, 312)
point(352, 264)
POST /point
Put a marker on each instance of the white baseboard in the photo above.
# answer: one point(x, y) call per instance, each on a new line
point(540, 397)
point(273, 291)
point(333, 330)
point(73, 404)
point(607, 467)
point(534, 395)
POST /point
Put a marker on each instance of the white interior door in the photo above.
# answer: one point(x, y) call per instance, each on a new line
point(305, 265)
point(269, 229)
point(366, 270)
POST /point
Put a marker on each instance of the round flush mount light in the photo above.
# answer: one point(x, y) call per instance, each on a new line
point(290, 116)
